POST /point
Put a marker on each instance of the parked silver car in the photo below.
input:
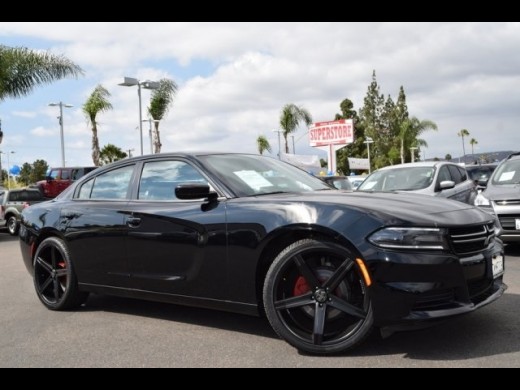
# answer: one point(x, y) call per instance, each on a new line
point(436, 178)
point(502, 197)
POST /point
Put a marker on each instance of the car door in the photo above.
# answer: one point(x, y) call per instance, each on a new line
point(176, 246)
point(95, 228)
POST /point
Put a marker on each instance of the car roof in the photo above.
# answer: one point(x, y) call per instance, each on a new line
point(423, 164)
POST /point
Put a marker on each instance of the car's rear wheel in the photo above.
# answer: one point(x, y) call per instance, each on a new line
point(13, 226)
point(54, 277)
point(316, 298)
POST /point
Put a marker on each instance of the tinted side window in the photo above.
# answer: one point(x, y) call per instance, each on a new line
point(455, 174)
point(14, 197)
point(65, 174)
point(464, 174)
point(76, 174)
point(33, 196)
point(159, 179)
point(111, 185)
point(444, 175)
point(55, 173)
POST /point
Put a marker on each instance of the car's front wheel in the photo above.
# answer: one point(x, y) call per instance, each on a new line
point(13, 226)
point(316, 298)
point(54, 277)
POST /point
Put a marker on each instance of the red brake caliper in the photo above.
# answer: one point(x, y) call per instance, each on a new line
point(301, 287)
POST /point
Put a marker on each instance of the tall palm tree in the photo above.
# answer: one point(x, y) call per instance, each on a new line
point(111, 153)
point(263, 145)
point(290, 119)
point(410, 131)
point(473, 142)
point(160, 103)
point(96, 103)
point(22, 69)
point(463, 133)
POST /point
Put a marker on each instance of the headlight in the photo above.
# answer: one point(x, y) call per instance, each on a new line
point(482, 201)
point(410, 238)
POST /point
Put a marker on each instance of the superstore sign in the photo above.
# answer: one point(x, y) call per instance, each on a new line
point(332, 133)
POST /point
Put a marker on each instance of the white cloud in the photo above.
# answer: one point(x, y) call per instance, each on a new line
point(43, 132)
point(461, 75)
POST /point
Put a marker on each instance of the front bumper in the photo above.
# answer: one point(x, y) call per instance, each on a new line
point(415, 288)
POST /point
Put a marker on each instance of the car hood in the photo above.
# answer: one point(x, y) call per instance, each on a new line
point(392, 208)
point(505, 192)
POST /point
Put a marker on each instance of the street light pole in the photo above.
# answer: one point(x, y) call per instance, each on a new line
point(130, 82)
point(62, 136)
point(293, 145)
point(150, 131)
point(368, 142)
point(8, 170)
point(412, 151)
point(279, 144)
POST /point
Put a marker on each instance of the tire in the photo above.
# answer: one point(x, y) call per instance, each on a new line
point(316, 298)
point(55, 281)
point(13, 226)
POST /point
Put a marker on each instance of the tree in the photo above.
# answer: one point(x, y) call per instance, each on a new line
point(290, 118)
point(96, 103)
point(25, 174)
point(463, 133)
point(39, 172)
point(473, 142)
point(263, 145)
point(448, 157)
point(410, 131)
point(371, 118)
point(160, 103)
point(22, 70)
point(111, 153)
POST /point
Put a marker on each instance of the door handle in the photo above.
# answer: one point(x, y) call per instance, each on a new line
point(133, 221)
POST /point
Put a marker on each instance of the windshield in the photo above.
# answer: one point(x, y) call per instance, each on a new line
point(399, 179)
point(507, 173)
point(249, 175)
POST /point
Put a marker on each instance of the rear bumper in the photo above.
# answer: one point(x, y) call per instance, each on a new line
point(412, 289)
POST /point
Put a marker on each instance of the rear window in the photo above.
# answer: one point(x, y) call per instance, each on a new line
point(25, 196)
point(1, 197)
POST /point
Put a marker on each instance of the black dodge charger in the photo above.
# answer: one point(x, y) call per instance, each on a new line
point(254, 235)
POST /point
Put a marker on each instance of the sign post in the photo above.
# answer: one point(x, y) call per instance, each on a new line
point(331, 137)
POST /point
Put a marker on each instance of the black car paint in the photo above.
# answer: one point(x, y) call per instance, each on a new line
point(214, 254)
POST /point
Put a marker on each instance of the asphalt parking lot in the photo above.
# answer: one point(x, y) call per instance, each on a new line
point(115, 332)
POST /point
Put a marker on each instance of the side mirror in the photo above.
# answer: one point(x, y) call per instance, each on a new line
point(192, 191)
point(483, 183)
point(49, 179)
point(446, 185)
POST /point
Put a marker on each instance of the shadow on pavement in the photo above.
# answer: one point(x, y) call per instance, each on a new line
point(491, 331)
point(6, 237)
point(195, 316)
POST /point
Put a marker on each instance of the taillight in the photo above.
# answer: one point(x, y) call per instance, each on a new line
point(25, 205)
point(2, 211)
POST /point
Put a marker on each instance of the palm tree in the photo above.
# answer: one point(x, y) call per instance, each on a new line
point(97, 102)
point(473, 142)
point(22, 69)
point(263, 145)
point(463, 133)
point(290, 119)
point(161, 100)
point(111, 153)
point(410, 131)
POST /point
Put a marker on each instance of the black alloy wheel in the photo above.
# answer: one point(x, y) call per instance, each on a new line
point(316, 298)
point(54, 278)
point(13, 226)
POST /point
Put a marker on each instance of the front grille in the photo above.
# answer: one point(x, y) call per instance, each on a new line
point(472, 239)
point(508, 222)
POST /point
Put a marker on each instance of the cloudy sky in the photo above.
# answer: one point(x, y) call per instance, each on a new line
point(235, 77)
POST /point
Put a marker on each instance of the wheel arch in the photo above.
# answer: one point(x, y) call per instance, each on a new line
point(45, 234)
point(280, 239)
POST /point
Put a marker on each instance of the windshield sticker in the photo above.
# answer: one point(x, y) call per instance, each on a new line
point(507, 176)
point(253, 179)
